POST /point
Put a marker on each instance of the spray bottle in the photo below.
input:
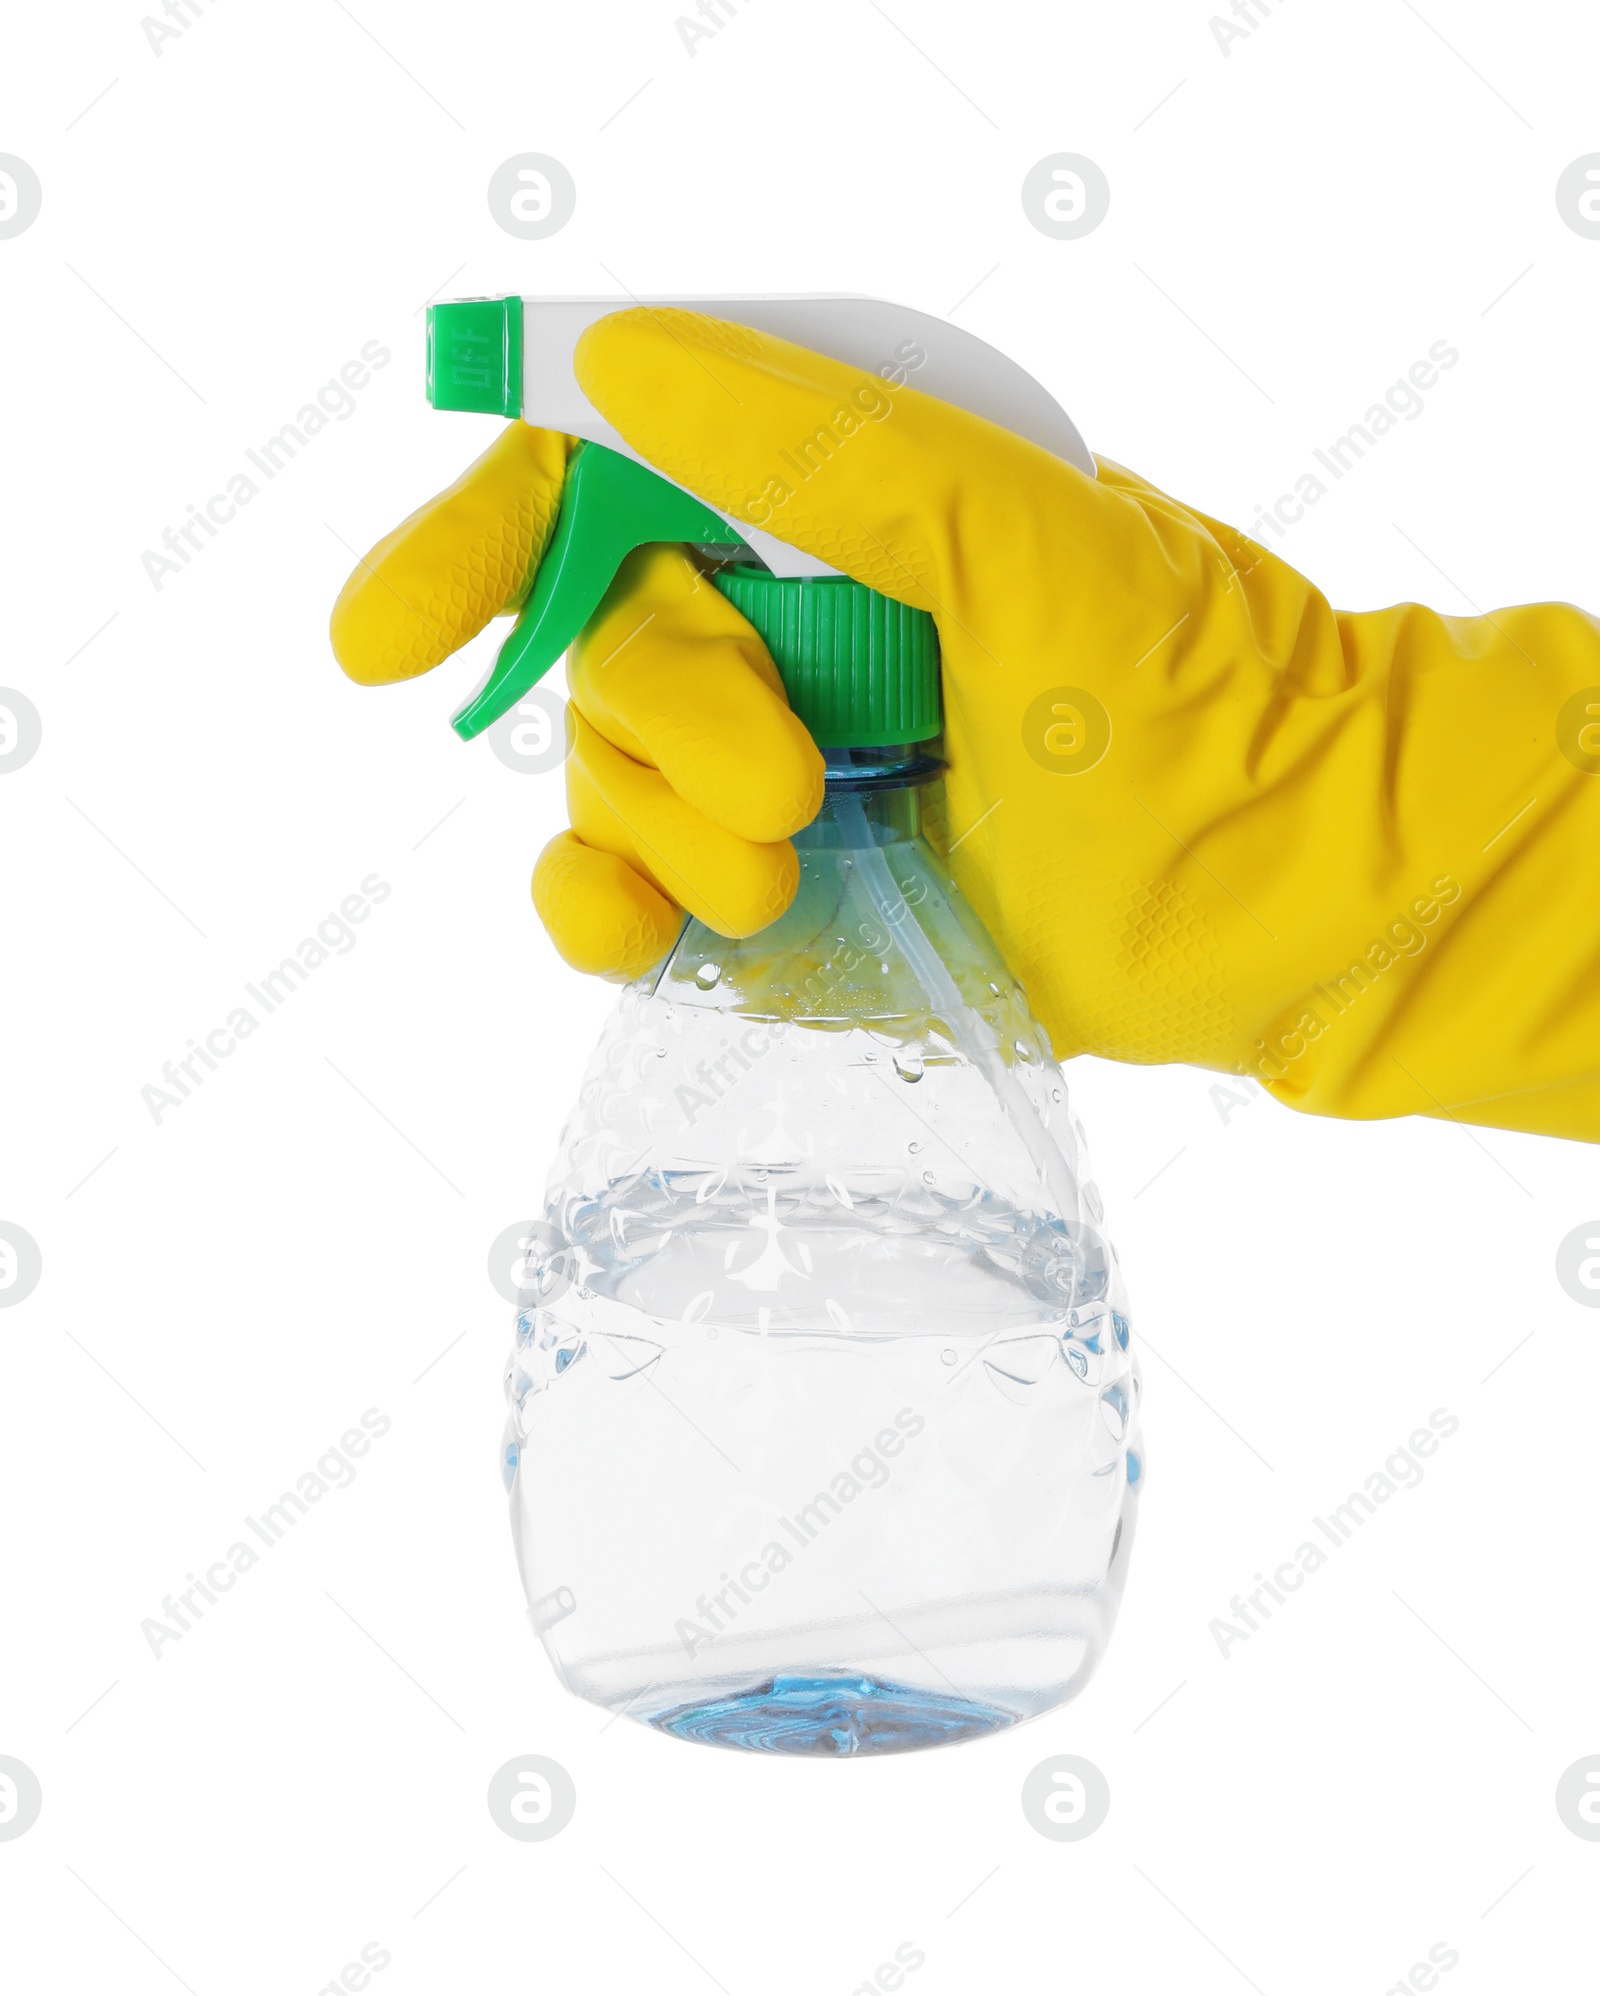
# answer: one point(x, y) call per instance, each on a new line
point(823, 1414)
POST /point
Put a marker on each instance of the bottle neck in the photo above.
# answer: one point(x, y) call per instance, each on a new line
point(882, 786)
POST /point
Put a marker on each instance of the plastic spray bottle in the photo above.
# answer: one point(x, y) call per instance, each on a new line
point(823, 1425)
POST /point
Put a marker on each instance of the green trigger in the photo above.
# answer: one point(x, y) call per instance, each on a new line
point(609, 506)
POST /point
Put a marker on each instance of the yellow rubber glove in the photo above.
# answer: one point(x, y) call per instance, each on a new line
point(688, 773)
point(1206, 817)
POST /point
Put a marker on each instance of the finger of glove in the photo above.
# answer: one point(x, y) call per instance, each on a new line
point(464, 557)
point(602, 915)
point(924, 501)
point(735, 886)
point(670, 673)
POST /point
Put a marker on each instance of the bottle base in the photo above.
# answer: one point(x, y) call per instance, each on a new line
point(833, 1717)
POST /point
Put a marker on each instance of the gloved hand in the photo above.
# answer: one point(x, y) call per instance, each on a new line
point(1206, 817)
point(688, 771)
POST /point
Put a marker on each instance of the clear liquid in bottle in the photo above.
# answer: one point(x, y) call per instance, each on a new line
point(823, 1431)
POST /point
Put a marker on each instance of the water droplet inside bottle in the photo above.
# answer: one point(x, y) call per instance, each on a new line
point(947, 1356)
point(927, 1178)
point(908, 1064)
point(707, 975)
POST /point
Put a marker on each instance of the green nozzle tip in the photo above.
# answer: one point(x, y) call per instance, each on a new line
point(475, 356)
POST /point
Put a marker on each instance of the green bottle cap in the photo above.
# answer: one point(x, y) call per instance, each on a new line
point(475, 356)
point(861, 670)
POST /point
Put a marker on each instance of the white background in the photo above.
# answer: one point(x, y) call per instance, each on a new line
point(304, 1772)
